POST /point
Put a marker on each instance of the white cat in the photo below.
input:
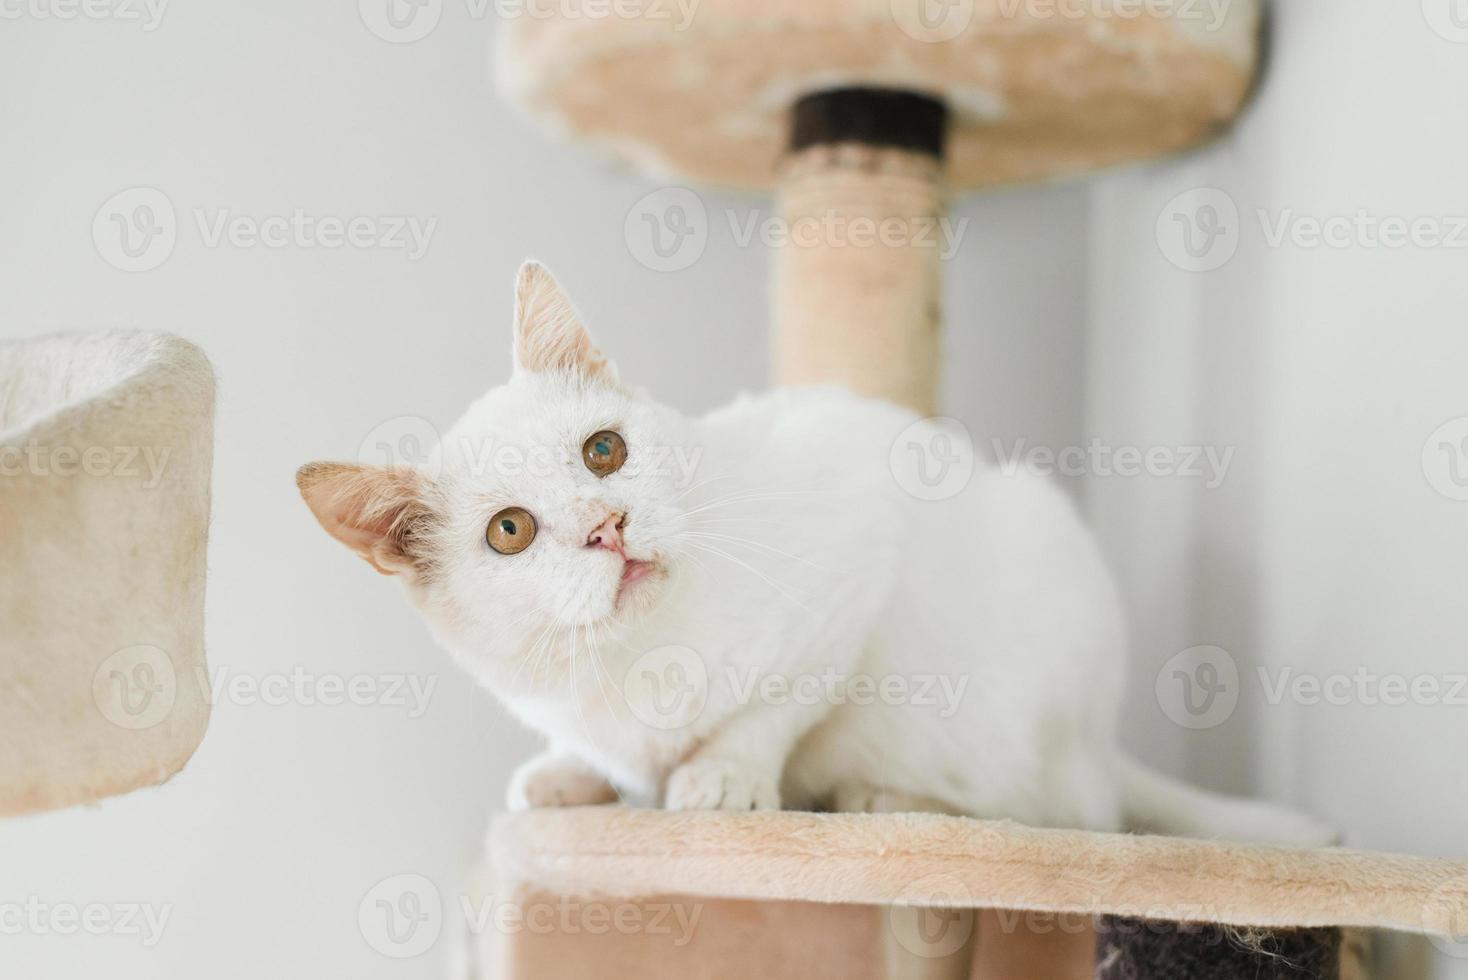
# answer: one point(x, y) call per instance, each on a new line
point(747, 610)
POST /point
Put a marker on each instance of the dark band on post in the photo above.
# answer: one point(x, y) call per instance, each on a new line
point(875, 116)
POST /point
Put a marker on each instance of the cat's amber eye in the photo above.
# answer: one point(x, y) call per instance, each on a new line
point(604, 453)
point(511, 531)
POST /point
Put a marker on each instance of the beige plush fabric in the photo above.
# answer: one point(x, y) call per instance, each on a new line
point(1039, 88)
point(940, 861)
point(106, 443)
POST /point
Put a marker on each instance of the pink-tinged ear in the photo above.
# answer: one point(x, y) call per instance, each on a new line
point(381, 513)
point(549, 335)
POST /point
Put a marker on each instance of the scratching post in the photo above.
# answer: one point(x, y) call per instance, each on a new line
point(857, 286)
point(865, 117)
point(106, 443)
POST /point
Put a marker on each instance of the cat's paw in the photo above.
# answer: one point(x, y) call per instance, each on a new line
point(549, 782)
point(720, 784)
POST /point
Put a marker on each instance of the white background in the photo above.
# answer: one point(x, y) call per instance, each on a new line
point(1326, 369)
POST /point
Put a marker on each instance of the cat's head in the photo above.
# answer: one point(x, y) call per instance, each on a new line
point(559, 501)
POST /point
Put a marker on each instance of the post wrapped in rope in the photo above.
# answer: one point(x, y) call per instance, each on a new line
point(857, 286)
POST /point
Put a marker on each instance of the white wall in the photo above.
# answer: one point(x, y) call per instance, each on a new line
point(1328, 548)
point(265, 845)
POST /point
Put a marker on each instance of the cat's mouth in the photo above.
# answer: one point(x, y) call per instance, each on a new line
point(635, 571)
point(635, 574)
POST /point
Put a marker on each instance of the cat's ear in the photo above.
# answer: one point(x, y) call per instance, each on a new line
point(382, 513)
point(549, 335)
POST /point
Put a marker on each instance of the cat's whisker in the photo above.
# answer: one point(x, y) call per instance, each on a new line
point(576, 694)
point(701, 484)
point(751, 497)
point(544, 651)
point(526, 657)
point(596, 668)
point(745, 519)
point(761, 546)
point(780, 589)
point(761, 493)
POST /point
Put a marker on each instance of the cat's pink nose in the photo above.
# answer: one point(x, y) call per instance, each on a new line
point(608, 534)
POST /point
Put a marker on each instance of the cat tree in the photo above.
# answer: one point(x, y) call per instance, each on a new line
point(871, 113)
point(106, 444)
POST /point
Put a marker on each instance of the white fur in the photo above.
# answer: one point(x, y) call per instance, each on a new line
point(820, 565)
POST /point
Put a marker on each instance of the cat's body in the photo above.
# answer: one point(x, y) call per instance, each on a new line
point(781, 622)
point(1021, 650)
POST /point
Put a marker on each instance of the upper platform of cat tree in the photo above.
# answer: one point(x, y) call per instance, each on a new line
point(1037, 88)
point(940, 861)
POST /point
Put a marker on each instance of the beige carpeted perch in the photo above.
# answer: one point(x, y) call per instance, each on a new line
point(817, 882)
point(106, 442)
